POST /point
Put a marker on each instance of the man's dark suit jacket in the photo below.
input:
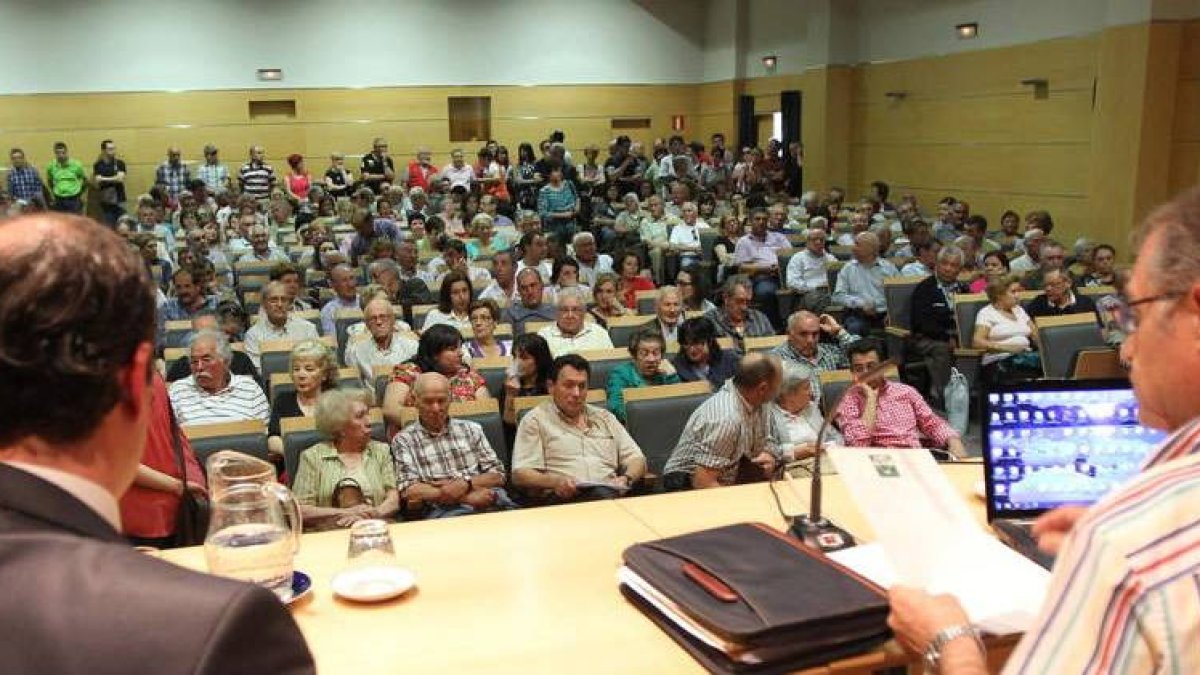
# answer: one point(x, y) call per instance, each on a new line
point(1042, 307)
point(79, 599)
point(932, 315)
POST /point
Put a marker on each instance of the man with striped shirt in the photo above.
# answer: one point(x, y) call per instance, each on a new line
point(212, 393)
point(1125, 593)
point(256, 176)
point(730, 438)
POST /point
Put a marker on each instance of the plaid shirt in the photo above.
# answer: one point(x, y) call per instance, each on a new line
point(215, 176)
point(461, 451)
point(901, 416)
point(829, 357)
point(175, 178)
point(24, 183)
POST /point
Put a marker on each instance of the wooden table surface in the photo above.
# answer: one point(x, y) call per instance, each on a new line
point(533, 590)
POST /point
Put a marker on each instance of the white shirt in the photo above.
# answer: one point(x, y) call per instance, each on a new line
point(915, 268)
point(1014, 332)
point(364, 354)
point(495, 293)
point(264, 330)
point(462, 176)
point(806, 272)
point(544, 268)
point(435, 317)
point(241, 400)
point(1023, 264)
point(590, 336)
point(688, 235)
point(588, 273)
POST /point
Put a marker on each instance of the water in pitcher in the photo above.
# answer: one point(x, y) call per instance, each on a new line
point(255, 552)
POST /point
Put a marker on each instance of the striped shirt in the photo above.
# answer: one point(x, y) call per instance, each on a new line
point(1125, 593)
point(256, 179)
point(321, 469)
point(241, 400)
point(722, 431)
point(460, 451)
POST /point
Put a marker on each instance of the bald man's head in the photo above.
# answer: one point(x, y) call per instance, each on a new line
point(432, 392)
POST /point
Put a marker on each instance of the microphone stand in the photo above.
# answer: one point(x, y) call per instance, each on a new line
point(812, 528)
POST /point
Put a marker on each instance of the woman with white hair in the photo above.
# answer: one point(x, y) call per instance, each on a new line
point(797, 417)
point(348, 477)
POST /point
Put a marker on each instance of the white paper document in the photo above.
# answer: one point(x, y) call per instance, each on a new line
point(928, 539)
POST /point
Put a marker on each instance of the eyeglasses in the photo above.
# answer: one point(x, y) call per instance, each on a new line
point(1127, 319)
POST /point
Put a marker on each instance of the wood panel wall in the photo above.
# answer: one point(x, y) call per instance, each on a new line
point(1185, 134)
point(145, 124)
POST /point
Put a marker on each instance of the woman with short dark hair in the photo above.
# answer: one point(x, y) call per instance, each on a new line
point(439, 351)
point(700, 356)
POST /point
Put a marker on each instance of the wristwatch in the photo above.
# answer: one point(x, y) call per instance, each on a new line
point(933, 653)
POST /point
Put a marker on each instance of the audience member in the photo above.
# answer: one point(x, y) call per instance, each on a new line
point(1059, 298)
point(531, 306)
point(926, 253)
point(591, 262)
point(1052, 258)
point(565, 274)
point(736, 319)
point(210, 320)
point(692, 282)
point(805, 352)
point(568, 450)
point(257, 178)
point(571, 333)
point(528, 376)
point(668, 313)
point(485, 314)
point(276, 322)
point(349, 476)
point(880, 413)
point(454, 303)
point(172, 173)
point(438, 351)
point(995, 266)
point(446, 463)
point(607, 299)
point(108, 177)
point(1103, 271)
point(934, 328)
point(756, 256)
point(632, 281)
point(343, 280)
point(313, 368)
point(1007, 335)
point(502, 289)
point(860, 286)
point(292, 277)
point(66, 181)
point(24, 183)
point(1031, 260)
point(648, 368)
point(377, 167)
point(730, 438)
point(383, 345)
point(797, 416)
point(212, 393)
point(808, 272)
point(700, 356)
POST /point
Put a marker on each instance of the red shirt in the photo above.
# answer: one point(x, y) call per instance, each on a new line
point(151, 513)
point(418, 175)
point(631, 288)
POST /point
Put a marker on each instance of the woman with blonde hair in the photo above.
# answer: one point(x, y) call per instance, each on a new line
point(314, 371)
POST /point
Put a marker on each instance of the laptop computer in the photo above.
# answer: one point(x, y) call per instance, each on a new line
point(1052, 443)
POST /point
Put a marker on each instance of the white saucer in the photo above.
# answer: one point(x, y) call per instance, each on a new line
point(373, 584)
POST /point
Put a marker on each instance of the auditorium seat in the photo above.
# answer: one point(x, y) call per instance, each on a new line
point(1097, 363)
point(656, 416)
point(248, 436)
point(276, 356)
point(493, 370)
point(621, 328)
point(603, 362)
point(765, 343)
point(1060, 337)
point(175, 333)
point(645, 301)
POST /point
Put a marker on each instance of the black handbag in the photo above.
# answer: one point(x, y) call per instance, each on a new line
point(191, 519)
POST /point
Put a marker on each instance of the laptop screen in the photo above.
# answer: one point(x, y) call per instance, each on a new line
point(1055, 443)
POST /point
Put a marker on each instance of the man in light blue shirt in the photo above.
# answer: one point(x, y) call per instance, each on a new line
point(344, 283)
point(860, 286)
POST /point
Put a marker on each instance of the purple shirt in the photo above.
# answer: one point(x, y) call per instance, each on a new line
point(760, 252)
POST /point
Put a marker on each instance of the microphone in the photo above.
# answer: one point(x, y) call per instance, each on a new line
point(812, 528)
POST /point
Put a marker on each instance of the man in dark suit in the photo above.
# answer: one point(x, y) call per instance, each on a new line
point(934, 334)
point(1059, 298)
point(76, 351)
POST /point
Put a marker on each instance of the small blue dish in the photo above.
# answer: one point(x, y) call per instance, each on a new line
point(301, 586)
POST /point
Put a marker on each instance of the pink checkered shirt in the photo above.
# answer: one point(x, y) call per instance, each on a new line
point(902, 418)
